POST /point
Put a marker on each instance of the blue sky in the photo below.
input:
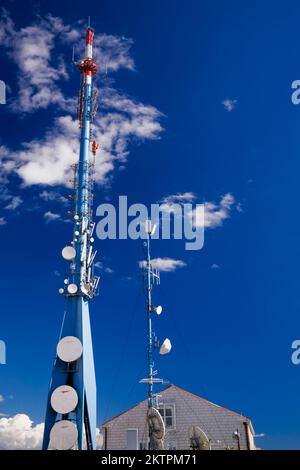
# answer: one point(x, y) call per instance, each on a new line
point(189, 63)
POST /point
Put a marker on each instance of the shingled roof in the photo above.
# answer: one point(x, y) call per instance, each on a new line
point(180, 390)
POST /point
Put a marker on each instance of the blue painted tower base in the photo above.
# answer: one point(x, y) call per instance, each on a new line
point(79, 374)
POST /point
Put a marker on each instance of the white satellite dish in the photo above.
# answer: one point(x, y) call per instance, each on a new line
point(61, 290)
point(63, 435)
point(158, 309)
point(198, 438)
point(69, 349)
point(72, 288)
point(64, 399)
point(68, 253)
point(165, 347)
point(156, 423)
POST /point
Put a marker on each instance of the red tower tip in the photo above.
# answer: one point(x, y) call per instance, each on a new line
point(89, 36)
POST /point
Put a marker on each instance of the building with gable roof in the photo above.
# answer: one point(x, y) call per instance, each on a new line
point(180, 410)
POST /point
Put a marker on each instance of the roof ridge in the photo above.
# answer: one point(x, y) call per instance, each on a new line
point(131, 407)
point(182, 390)
point(210, 402)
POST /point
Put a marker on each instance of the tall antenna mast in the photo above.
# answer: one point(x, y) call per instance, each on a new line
point(155, 422)
point(149, 318)
point(71, 404)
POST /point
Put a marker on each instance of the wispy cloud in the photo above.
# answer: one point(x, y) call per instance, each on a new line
point(229, 104)
point(122, 119)
point(98, 265)
point(1, 398)
point(3, 221)
point(40, 69)
point(215, 266)
point(31, 48)
point(214, 213)
point(239, 207)
point(209, 214)
point(14, 203)
point(179, 198)
point(170, 203)
point(51, 217)
point(107, 269)
point(165, 264)
point(53, 196)
point(113, 53)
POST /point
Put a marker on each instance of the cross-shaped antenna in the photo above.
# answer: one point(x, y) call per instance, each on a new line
point(156, 276)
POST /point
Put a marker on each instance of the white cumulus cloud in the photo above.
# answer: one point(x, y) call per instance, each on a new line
point(48, 161)
point(164, 264)
point(19, 433)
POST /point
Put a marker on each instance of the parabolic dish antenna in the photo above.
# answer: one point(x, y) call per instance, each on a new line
point(63, 435)
point(68, 253)
point(72, 288)
point(158, 310)
point(198, 438)
point(69, 349)
point(165, 347)
point(156, 423)
point(156, 444)
point(64, 399)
